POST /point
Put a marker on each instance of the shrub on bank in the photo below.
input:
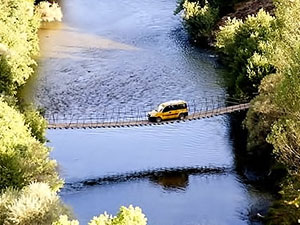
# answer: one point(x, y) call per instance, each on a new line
point(36, 123)
point(49, 12)
point(262, 114)
point(18, 43)
point(282, 98)
point(126, 216)
point(275, 113)
point(28, 178)
point(35, 204)
point(246, 49)
point(23, 159)
point(285, 135)
point(285, 210)
point(223, 7)
point(199, 20)
point(263, 53)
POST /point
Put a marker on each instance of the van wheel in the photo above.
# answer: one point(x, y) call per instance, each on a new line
point(158, 119)
point(181, 116)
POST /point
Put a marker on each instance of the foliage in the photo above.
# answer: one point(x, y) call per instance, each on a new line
point(279, 109)
point(282, 111)
point(199, 20)
point(285, 137)
point(285, 211)
point(223, 7)
point(49, 11)
point(63, 220)
point(22, 158)
point(262, 114)
point(35, 204)
point(103, 219)
point(28, 178)
point(263, 52)
point(18, 43)
point(246, 47)
point(35, 122)
point(126, 216)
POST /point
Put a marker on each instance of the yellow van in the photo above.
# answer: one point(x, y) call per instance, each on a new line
point(176, 109)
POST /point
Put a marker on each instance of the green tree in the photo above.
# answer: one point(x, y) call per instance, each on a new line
point(49, 11)
point(278, 108)
point(223, 6)
point(285, 134)
point(22, 158)
point(285, 210)
point(35, 204)
point(262, 114)
point(199, 20)
point(64, 220)
point(126, 216)
point(18, 43)
point(35, 122)
point(246, 47)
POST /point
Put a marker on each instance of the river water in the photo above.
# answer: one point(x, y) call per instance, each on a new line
point(136, 54)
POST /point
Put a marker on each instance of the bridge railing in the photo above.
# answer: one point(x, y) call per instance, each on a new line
point(130, 114)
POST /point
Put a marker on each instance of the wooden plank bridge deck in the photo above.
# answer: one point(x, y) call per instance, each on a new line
point(139, 120)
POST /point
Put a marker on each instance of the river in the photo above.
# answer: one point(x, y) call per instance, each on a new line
point(136, 54)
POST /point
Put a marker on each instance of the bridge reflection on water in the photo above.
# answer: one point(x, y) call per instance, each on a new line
point(168, 178)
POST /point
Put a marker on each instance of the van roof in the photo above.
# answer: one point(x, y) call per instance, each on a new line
point(173, 102)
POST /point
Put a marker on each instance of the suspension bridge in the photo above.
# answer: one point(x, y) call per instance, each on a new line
point(134, 116)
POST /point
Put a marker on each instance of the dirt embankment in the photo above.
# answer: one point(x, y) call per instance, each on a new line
point(241, 11)
point(245, 8)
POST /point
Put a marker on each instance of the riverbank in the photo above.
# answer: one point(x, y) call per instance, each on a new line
point(29, 180)
point(30, 183)
point(253, 46)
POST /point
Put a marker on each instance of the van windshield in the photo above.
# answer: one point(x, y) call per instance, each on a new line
point(160, 108)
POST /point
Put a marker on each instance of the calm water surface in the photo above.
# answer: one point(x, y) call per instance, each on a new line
point(135, 53)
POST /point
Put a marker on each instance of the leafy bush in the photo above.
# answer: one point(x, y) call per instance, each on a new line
point(285, 135)
point(199, 20)
point(35, 122)
point(262, 114)
point(22, 158)
point(126, 216)
point(18, 43)
point(246, 47)
point(285, 211)
point(49, 11)
point(63, 220)
point(35, 204)
point(281, 111)
point(223, 7)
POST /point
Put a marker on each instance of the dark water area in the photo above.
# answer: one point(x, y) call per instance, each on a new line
point(136, 54)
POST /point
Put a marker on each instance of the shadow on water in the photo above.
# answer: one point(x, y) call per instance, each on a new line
point(168, 178)
point(254, 170)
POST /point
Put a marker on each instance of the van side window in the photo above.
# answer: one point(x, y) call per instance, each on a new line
point(167, 109)
point(182, 106)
